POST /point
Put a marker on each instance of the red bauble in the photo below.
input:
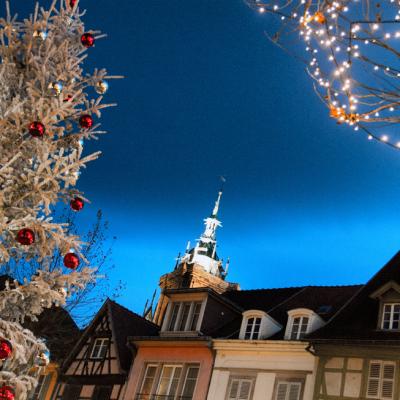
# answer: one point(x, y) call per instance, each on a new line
point(5, 349)
point(77, 204)
point(37, 129)
point(72, 3)
point(87, 39)
point(86, 121)
point(7, 393)
point(71, 261)
point(26, 236)
point(68, 98)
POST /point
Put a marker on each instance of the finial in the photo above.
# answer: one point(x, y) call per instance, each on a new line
point(228, 261)
point(216, 207)
point(178, 260)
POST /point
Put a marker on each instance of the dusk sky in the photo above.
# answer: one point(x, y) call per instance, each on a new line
point(306, 201)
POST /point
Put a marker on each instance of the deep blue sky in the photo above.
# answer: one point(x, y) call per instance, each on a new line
point(306, 201)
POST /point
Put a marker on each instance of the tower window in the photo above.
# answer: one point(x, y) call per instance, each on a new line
point(184, 316)
point(391, 316)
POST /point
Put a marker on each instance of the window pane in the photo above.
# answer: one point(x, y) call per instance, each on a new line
point(165, 379)
point(169, 380)
point(190, 383)
point(256, 330)
point(195, 317)
point(184, 316)
point(149, 379)
point(249, 328)
point(174, 316)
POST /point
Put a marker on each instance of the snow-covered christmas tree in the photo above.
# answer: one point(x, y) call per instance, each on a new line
point(48, 107)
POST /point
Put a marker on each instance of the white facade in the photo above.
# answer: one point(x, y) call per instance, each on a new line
point(262, 365)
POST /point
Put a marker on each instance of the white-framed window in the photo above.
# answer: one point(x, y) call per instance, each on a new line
point(168, 381)
point(253, 325)
point(299, 327)
point(240, 388)
point(99, 349)
point(381, 377)
point(286, 390)
point(184, 316)
point(391, 316)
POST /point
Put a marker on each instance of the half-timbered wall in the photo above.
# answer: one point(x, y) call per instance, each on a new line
point(88, 377)
point(347, 378)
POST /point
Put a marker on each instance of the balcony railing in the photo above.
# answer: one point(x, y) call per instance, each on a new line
point(146, 396)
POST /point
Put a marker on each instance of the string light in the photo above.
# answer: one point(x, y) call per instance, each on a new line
point(342, 38)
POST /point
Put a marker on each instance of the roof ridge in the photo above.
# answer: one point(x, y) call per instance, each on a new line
point(300, 287)
point(133, 313)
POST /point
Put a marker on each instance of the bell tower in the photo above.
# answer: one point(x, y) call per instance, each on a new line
point(200, 265)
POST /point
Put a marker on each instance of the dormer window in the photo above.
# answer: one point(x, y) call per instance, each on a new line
point(300, 322)
point(253, 328)
point(299, 327)
point(257, 325)
point(184, 316)
point(391, 316)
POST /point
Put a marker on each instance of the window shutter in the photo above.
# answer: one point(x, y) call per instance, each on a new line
point(281, 391)
point(294, 391)
point(234, 389)
point(373, 379)
point(388, 380)
point(244, 392)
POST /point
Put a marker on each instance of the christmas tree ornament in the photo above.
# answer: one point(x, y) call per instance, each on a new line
point(7, 393)
point(40, 35)
point(71, 261)
point(86, 121)
point(43, 358)
point(37, 129)
point(40, 162)
point(77, 204)
point(5, 349)
point(87, 39)
point(55, 88)
point(68, 126)
point(72, 3)
point(101, 87)
point(26, 236)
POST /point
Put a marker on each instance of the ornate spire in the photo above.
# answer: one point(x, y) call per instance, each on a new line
point(205, 251)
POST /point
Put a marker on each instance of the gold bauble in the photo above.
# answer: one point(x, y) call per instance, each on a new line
point(101, 87)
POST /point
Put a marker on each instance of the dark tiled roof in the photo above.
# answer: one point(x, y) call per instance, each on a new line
point(55, 325)
point(127, 323)
point(323, 300)
point(358, 319)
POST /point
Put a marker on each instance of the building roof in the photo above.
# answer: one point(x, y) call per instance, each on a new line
point(124, 323)
point(55, 325)
point(357, 320)
point(127, 323)
point(323, 300)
